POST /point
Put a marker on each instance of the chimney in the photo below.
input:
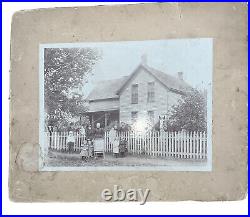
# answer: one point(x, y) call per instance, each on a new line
point(180, 75)
point(144, 59)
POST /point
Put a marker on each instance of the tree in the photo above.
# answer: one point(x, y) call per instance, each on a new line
point(189, 114)
point(66, 71)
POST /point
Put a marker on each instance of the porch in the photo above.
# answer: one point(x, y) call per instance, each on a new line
point(105, 118)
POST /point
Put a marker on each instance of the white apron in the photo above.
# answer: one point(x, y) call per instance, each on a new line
point(116, 146)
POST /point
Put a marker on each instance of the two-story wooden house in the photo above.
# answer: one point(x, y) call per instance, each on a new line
point(145, 94)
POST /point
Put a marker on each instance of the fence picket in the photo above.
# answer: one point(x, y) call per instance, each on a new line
point(181, 144)
point(204, 145)
point(197, 145)
point(190, 145)
point(184, 151)
point(164, 144)
point(154, 138)
point(53, 140)
point(200, 144)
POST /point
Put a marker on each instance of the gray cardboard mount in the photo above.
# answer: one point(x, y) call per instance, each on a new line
point(226, 23)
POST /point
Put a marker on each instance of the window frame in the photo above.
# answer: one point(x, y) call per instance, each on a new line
point(135, 95)
point(151, 92)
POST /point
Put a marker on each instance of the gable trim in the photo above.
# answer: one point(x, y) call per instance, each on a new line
point(148, 71)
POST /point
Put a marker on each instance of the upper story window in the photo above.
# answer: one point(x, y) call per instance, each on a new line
point(151, 91)
point(134, 94)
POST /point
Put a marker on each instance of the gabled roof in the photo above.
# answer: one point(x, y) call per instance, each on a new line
point(110, 89)
point(170, 82)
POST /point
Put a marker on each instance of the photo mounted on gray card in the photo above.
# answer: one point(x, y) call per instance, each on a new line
point(134, 105)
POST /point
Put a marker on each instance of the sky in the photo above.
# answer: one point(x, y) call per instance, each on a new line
point(193, 57)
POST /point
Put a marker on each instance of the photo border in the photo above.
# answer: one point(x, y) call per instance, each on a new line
point(205, 168)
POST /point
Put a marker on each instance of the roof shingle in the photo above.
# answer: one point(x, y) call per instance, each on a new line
point(106, 89)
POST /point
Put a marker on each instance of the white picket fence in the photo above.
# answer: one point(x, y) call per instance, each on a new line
point(189, 145)
point(58, 140)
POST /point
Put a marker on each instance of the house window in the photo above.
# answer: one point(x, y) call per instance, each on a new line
point(134, 116)
point(134, 94)
point(151, 91)
point(151, 116)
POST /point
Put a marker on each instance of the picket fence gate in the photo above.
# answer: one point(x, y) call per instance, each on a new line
point(189, 145)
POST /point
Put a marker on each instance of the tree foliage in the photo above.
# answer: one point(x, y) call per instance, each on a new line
point(65, 72)
point(189, 114)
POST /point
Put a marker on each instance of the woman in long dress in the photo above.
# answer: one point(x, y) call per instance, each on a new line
point(113, 139)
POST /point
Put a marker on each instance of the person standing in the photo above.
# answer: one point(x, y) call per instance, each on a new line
point(84, 151)
point(82, 133)
point(114, 141)
point(71, 142)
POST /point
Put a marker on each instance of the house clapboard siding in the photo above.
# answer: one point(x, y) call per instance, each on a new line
point(164, 98)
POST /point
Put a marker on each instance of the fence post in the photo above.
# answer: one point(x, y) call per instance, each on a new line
point(52, 140)
point(154, 149)
point(193, 145)
point(63, 140)
point(59, 141)
point(197, 145)
point(174, 138)
point(184, 145)
point(133, 142)
point(171, 144)
point(105, 141)
point(181, 145)
point(204, 145)
point(49, 140)
point(55, 144)
point(200, 145)
point(166, 144)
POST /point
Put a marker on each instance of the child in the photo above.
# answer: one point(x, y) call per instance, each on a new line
point(116, 147)
point(70, 141)
point(84, 151)
point(91, 148)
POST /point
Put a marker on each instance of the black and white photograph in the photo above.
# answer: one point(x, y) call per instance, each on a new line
point(128, 105)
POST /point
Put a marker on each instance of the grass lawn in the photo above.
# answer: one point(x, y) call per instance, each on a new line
point(58, 159)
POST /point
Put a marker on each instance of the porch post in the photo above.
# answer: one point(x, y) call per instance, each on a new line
point(105, 119)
